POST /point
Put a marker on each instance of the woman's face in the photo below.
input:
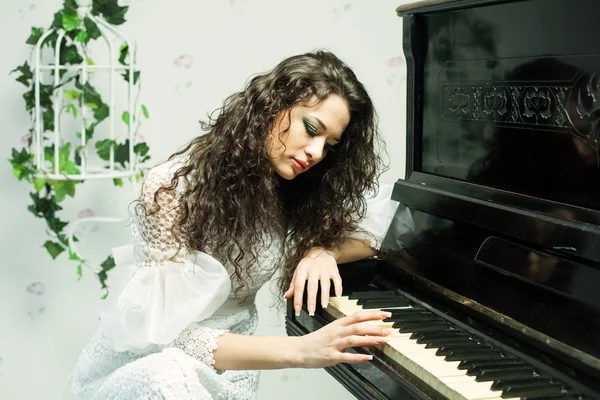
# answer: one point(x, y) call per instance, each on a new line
point(302, 136)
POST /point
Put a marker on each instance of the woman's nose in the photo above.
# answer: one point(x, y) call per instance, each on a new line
point(314, 150)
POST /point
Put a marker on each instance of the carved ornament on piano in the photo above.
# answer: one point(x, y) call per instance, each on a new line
point(571, 107)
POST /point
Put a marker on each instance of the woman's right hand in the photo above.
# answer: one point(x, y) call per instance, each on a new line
point(326, 346)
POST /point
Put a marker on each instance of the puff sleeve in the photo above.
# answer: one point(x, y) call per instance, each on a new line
point(163, 288)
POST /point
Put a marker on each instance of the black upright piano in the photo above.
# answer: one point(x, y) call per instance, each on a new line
point(492, 264)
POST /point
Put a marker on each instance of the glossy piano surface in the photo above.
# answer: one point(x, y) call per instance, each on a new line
point(511, 97)
point(499, 218)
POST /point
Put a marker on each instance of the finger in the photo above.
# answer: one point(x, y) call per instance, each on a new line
point(361, 341)
point(337, 284)
point(311, 294)
point(366, 329)
point(363, 316)
point(351, 358)
point(325, 287)
point(290, 292)
point(299, 289)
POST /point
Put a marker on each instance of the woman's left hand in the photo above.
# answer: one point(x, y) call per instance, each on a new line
point(319, 265)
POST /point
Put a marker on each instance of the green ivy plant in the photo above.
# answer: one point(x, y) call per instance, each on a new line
point(47, 194)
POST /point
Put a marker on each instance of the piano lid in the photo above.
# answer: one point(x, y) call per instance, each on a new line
point(503, 165)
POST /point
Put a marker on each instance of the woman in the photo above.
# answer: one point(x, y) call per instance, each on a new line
point(278, 181)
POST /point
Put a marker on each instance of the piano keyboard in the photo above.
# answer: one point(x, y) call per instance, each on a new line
point(452, 361)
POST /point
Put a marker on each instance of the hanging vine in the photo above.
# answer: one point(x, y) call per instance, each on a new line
point(78, 99)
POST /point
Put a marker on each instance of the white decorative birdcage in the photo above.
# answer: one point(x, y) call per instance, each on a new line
point(109, 35)
point(43, 139)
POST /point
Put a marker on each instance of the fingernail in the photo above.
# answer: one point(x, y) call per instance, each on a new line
point(297, 309)
point(387, 314)
point(369, 357)
point(383, 340)
point(311, 311)
point(324, 305)
point(388, 331)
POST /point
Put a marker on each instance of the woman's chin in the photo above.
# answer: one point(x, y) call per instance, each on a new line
point(287, 175)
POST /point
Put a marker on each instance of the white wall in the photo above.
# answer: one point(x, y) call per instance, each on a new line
point(42, 335)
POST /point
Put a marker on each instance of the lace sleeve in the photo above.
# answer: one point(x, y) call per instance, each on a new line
point(198, 342)
point(154, 240)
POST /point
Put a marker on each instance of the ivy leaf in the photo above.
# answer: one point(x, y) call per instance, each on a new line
point(43, 207)
point(69, 54)
point(122, 153)
point(145, 111)
point(70, 21)
point(70, 168)
point(36, 34)
point(48, 119)
point(136, 76)
point(90, 94)
point(64, 188)
point(53, 248)
point(39, 183)
point(73, 110)
point(110, 9)
point(103, 148)
point(82, 36)
point(72, 94)
point(107, 265)
point(125, 117)
point(101, 113)
point(70, 5)
point(56, 225)
point(118, 182)
point(141, 149)
point(63, 155)
point(20, 157)
point(57, 20)
point(123, 53)
point(79, 272)
point(92, 29)
point(78, 152)
point(26, 74)
point(73, 256)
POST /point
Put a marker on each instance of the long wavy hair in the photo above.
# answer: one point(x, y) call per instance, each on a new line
point(232, 195)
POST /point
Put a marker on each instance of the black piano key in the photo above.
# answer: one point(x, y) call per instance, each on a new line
point(504, 373)
point(530, 391)
point(372, 294)
point(415, 327)
point(424, 337)
point(405, 312)
point(467, 364)
point(559, 396)
point(474, 355)
point(445, 342)
point(476, 370)
point(371, 304)
point(413, 318)
point(445, 350)
point(506, 383)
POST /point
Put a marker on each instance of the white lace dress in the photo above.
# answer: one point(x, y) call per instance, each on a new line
point(162, 319)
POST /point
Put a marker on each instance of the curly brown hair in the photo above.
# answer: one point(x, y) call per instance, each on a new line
point(233, 196)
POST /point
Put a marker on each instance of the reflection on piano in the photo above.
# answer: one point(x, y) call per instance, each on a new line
point(495, 287)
